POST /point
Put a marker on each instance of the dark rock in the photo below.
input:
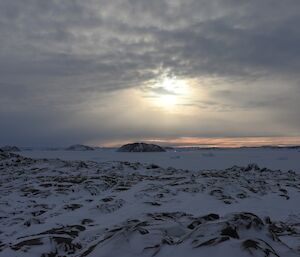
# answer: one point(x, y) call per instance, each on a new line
point(80, 148)
point(152, 166)
point(9, 148)
point(198, 221)
point(141, 147)
point(230, 231)
point(252, 167)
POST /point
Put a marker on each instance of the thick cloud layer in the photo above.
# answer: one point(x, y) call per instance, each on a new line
point(85, 71)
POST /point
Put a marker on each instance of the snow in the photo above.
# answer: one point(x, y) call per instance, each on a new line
point(104, 203)
point(284, 159)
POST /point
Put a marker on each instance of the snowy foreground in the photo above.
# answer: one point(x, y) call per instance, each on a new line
point(52, 207)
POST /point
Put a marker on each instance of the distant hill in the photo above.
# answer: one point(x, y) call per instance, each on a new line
point(79, 147)
point(9, 148)
point(141, 147)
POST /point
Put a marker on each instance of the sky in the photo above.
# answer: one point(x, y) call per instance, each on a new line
point(174, 72)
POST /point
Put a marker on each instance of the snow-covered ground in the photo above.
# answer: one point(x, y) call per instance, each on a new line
point(107, 204)
point(284, 159)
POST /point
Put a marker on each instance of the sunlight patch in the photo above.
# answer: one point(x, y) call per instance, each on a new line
point(169, 92)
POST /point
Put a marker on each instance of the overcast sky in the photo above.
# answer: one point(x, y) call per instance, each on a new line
point(105, 72)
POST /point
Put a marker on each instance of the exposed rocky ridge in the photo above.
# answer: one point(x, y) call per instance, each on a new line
point(141, 147)
point(9, 148)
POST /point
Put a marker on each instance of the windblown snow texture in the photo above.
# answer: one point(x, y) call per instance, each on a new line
point(51, 207)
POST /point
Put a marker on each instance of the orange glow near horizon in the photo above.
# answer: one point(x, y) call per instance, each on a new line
point(228, 142)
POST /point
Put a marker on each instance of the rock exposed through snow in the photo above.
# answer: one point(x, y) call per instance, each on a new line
point(10, 148)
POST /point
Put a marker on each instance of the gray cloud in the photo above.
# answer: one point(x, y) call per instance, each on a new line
point(59, 58)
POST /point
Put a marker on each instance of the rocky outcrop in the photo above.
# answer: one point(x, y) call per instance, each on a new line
point(141, 147)
point(9, 148)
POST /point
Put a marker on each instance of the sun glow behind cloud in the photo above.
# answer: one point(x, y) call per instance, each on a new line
point(73, 71)
point(169, 92)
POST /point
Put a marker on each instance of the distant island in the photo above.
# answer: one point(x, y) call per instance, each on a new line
point(79, 147)
point(141, 147)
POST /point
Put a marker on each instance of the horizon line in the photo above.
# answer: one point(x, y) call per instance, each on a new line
point(210, 142)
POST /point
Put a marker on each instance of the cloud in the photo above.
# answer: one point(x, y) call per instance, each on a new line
point(161, 91)
point(64, 57)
